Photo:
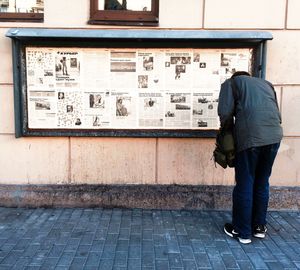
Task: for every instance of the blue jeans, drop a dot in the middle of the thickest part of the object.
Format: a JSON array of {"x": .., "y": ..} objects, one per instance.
[{"x": 250, "y": 196}]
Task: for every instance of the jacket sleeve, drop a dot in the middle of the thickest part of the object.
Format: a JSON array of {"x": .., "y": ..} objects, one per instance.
[
  {"x": 226, "y": 105},
  {"x": 276, "y": 100}
]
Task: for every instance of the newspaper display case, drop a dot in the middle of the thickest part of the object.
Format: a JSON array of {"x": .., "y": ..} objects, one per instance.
[{"x": 146, "y": 83}]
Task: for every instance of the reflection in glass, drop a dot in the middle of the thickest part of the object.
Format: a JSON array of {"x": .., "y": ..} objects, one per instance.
[
  {"x": 133, "y": 5},
  {"x": 22, "y": 6}
]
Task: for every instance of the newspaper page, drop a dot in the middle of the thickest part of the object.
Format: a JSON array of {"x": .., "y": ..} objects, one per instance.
[
  {"x": 232, "y": 61},
  {"x": 40, "y": 69},
  {"x": 178, "y": 110},
  {"x": 122, "y": 69},
  {"x": 205, "y": 114},
  {"x": 42, "y": 109},
  {"x": 150, "y": 71},
  {"x": 178, "y": 69},
  {"x": 151, "y": 110},
  {"x": 123, "y": 109},
  {"x": 206, "y": 69},
  {"x": 69, "y": 108},
  {"x": 67, "y": 68},
  {"x": 96, "y": 107},
  {"x": 95, "y": 72}
]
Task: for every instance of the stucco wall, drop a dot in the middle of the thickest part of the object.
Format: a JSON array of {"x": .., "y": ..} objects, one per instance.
[{"x": 156, "y": 161}]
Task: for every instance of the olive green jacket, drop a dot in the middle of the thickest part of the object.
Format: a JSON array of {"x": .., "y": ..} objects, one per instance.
[{"x": 252, "y": 109}]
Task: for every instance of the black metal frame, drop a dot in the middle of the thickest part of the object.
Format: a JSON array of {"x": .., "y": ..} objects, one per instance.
[{"x": 20, "y": 42}]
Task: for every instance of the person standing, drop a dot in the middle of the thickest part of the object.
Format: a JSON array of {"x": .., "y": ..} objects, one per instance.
[
  {"x": 248, "y": 106},
  {"x": 64, "y": 66}
]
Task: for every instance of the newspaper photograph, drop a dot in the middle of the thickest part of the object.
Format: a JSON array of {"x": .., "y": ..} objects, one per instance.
[
  {"x": 40, "y": 69},
  {"x": 42, "y": 109},
  {"x": 178, "y": 110},
  {"x": 96, "y": 109},
  {"x": 151, "y": 110},
  {"x": 67, "y": 68},
  {"x": 122, "y": 69}
]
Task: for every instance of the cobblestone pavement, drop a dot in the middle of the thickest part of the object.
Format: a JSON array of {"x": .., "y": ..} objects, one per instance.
[{"x": 140, "y": 239}]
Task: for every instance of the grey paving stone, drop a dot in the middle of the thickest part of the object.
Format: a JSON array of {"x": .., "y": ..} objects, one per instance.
[
  {"x": 90, "y": 267},
  {"x": 83, "y": 250},
  {"x": 198, "y": 246},
  {"x": 161, "y": 252},
  {"x": 247, "y": 265},
  {"x": 297, "y": 265},
  {"x": 135, "y": 239},
  {"x": 285, "y": 261},
  {"x": 239, "y": 254},
  {"x": 135, "y": 251},
  {"x": 273, "y": 248},
  {"x": 122, "y": 245},
  {"x": 183, "y": 240},
  {"x": 135, "y": 264},
  {"x": 22, "y": 244},
  {"x": 265, "y": 254},
  {"x": 275, "y": 265},
  {"x": 32, "y": 267},
  {"x": 21, "y": 263},
  {"x": 38, "y": 258},
  {"x": 124, "y": 233},
  {"x": 56, "y": 251},
  {"x": 213, "y": 254},
  {"x": 186, "y": 253},
  {"x": 147, "y": 246},
  {"x": 120, "y": 268},
  {"x": 109, "y": 251},
  {"x": 189, "y": 265},
  {"x": 175, "y": 260},
  {"x": 257, "y": 261},
  {"x": 121, "y": 258},
  {"x": 229, "y": 261},
  {"x": 87, "y": 239},
  {"x": 66, "y": 258},
  {"x": 5, "y": 267},
  {"x": 148, "y": 259},
  {"x": 161, "y": 265},
  {"x": 173, "y": 246},
  {"x": 77, "y": 264},
  {"x": 49, "y": 263},
  {"x": 11, "y": 258},
  {"x": 202, "y": 260},
  {"x": 217, "y": 264},
  {"x": 97, "y": 245},
  {"x": 159, "y": 240},
  {"x": 106, "y": 264},
  {"x": 222, "y": 247},
  {"x": 147, "y": 234},
  {"x": 111, "y": 239}
]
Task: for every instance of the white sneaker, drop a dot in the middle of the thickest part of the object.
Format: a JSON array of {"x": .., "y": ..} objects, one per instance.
[{"x": 229, "y": 230}]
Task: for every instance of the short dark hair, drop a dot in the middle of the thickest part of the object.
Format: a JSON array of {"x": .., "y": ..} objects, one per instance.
[{"x": 240, "y": 73}]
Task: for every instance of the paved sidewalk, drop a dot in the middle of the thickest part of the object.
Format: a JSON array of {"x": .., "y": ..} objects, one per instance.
[{"x": 140, "y": 239}]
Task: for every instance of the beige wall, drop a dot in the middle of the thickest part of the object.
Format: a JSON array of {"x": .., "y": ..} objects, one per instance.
[{"x": 156, "y": 161}]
